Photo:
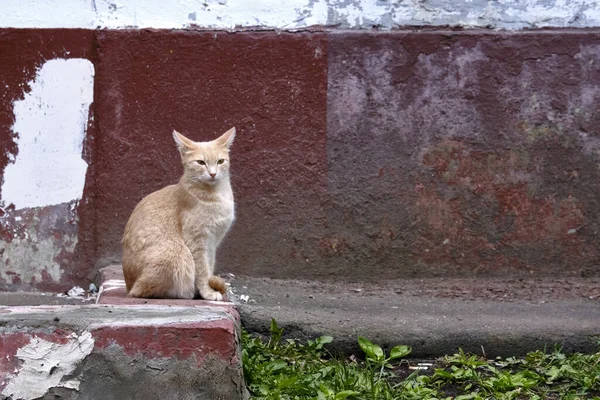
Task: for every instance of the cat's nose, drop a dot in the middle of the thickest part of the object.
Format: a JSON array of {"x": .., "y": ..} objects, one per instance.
[{"x": 212, "y": 175}]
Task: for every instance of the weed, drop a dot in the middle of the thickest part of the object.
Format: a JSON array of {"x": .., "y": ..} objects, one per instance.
[{"x": 278, "y": 369}]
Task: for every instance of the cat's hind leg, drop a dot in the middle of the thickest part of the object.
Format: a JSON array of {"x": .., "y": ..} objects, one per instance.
[
  {"x": 207, "y": 292},
  {"x": 170, "y": 276},
  {"x": 184, "y": 274},
  {"x": 180, "y": 287},
  {"x": 203, "y": 282}
]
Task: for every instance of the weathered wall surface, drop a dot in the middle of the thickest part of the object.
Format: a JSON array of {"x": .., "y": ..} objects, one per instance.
[
  {"x": 46, "y": 81},
  {"x": 440, "y": 153},
  {"x": 456, "y": 154},
  {"x": 360, "y": 154},
  {"x": 299, "y": 14},
  {"x": 113, "y": 352}
]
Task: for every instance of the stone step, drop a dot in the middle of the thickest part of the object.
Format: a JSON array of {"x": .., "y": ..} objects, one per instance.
[{"x": 121, "y": 348}]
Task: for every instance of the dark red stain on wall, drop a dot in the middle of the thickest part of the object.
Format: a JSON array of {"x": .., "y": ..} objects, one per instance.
[
  {"x": 270, "y": 86},
  {"x": 22, "y": 52},
  {"x": 496, "y": 198},
  {"x": 465, "y": 153}
]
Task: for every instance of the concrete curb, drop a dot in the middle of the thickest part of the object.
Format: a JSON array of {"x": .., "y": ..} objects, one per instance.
[
  {"x": 121, "y": 348},
  {"x": 433, "y": 326}
]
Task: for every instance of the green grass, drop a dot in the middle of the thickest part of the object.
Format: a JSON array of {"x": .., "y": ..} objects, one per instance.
[{"x": 286, "y": 369}]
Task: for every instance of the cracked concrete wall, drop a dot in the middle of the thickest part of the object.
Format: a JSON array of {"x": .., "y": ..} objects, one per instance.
[{"x": 300, "y": 14}]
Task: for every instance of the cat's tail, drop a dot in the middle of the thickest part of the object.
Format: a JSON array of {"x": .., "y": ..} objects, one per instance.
[{"x": 218, "y": 284}]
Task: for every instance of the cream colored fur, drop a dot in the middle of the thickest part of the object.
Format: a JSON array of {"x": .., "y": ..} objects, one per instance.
[{"x": 172, "y": 236}]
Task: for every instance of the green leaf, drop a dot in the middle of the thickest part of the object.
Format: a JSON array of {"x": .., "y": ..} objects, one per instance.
[
  {"x": 568, "y": 368},
  {"x": 399, "y": 352},
  {"x": 321, "y": 396},
  {"x": 285, "y": 383},
  {"x": 491, "y": 368},
  {"x": 344, "y": 394},
  {"x": 275, "y": 329},
  {"x": 325, "y": 391},
  {"x": 325, "y": 339},
  {"x": 276, "y": 332},
  {"x": 372, "y": 351},
  {"x": 553, "y": 373},
  {"x": 467, "y": 396},
  {"x": 441, "y": 374},
  {"x": 264, "y": 389},
  {"x": 319, "y": 342},
  {"x": 276, "y": 365}
]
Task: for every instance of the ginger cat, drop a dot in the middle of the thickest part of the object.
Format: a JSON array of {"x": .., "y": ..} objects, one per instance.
[{"x": 172, "y": 236}]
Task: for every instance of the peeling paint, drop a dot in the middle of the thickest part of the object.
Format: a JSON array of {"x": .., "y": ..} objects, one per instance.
[
  {"x": 297, "y": 14},
  {"x": 35, "y": 244},
  {"x": 506, "y": 206},
  {"x": 43, "y": 184},
  {"x": 50, "y": 124},
  {"x": 121, "y": 352},
  {"x": 44, "y": 364}
]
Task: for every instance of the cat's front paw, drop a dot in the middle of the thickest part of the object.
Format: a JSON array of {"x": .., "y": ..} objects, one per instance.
[{"x": 211, "y": 295}]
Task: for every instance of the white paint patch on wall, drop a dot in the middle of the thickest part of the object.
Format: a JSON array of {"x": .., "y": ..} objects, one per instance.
[
  {"x": 50, "y": 124},
  {"x": 44, "y": 364},
  {"x": 297, "y": 14}
]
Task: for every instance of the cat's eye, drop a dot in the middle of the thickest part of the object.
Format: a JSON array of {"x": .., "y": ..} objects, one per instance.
[
  {"x": 201, "y": 162},
  {"x": 221, "y": 161}
]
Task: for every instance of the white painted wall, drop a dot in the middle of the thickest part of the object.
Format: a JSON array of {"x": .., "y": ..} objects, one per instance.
[
  {"x": 50, "y": 124},
  {"x": 297, "y": 14}
]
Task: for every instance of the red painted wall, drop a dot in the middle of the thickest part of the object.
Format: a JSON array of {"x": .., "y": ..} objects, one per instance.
[
  {"x": 358, "y": 155},
  {"x": 271, "y": 87}
]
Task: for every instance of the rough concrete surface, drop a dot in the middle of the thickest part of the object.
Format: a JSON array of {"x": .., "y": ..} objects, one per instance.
[
  {"x": 41, "y": 299},
  {"x": 299, "y": 14},
  {"x": 116, "y": 352},
  {"x": 460, "y": 154},
  {"x": 435, "y": 317}
]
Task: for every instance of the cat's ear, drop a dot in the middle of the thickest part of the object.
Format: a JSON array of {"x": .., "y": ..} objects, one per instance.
[
  {"x": 183, "y": 144},
  {"x": 226, "y": 139}
]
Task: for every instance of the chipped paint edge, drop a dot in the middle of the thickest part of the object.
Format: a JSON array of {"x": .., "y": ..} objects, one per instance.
[
  {"x": 298, "y": 14},
  {"x": 44, "y": 364}
]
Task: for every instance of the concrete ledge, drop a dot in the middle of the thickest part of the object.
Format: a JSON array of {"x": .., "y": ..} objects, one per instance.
[
  {"x": 122, "y": 348},
  {"x": 434, "y": 316},
  {"x": 112, "y": 291},
  {"x": 106, "y": 352}
]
